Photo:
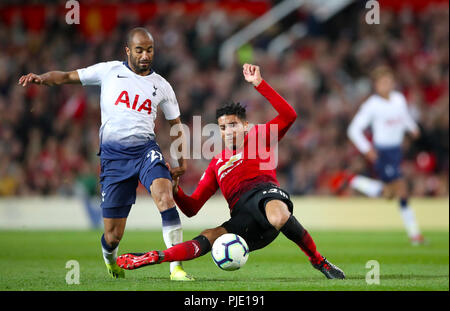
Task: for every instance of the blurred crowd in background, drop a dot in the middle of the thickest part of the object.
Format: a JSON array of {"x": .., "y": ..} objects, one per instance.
[{"x": 49, "y": 136}]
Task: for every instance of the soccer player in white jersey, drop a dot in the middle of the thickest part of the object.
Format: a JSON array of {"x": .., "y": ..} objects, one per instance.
[
  {"x": 386, "y": 113},
  {"x": 130, "y": 95}
]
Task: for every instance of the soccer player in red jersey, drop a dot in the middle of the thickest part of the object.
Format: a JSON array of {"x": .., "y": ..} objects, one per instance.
[{"x": 245, "y": 173}]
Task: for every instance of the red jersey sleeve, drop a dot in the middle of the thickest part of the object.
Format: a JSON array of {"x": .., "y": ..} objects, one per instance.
[
  {"x": 207, "y": 186},
  {"x": 286, "y": 114}
]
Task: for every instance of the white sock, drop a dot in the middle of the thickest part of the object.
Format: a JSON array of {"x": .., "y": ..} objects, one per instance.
[
  {"x": 172, "y": 235},
  {"x": 409, "y": 221},
  {"x": 367, "y": 186},
  {"x": 109, "y": 255},
  {"x": 172, "y": 231}
]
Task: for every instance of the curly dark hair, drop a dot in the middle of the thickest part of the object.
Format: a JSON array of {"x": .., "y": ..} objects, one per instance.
[{"x": 232, "y": 109}]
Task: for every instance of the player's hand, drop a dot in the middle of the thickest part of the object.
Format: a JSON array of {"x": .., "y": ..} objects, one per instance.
[
  {"x": 372, "y": 155},
  {"x": 415, "y": 134},
  {"x": 252, "y": 74},
  {"x": 178, "y": 171},
  {"x": 175, "y": 183},
  {"x": 175, "y": 177},
  {"x": 30, "y": 78}
]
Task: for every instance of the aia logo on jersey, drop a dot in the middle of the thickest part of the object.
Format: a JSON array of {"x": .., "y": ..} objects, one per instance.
[{"x": 125, "y": 99}]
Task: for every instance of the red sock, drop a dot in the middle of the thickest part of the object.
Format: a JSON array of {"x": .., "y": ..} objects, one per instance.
[
  {"x": 295, "y": 232},
  {"x": 184, "y": 251},
  {"x": 309, "y": 248},
  {"x": 350, "y": 177}
]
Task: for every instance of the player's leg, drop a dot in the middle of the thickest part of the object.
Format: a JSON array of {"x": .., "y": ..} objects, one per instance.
[
  {"x": 400, "y": 189},
  {"x": 279, "y": 216},
  {"x": 156, "y": 178},
  {"x": 113, "y": 233},
  {"x": 118, "y": 188},
  {"x": 184, "y": 251},
  {"x": 194, "y": 248},
  {"x": 368, "y": 186},
  {"x": 114, "y": 229},
  {"x": 161, "y": 191},
  {"x": 389, "y": 169}
]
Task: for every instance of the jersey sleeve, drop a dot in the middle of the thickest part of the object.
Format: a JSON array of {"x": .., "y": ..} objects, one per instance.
[
  {"x": 170, "y": 106},
  {"x": 207, "y": 186},
  {"x": 286, "y": 114},
  {"x": 360, "y": 122},
  {"x": 410, "y": 124},
  {"x": 94, "y": 74}
]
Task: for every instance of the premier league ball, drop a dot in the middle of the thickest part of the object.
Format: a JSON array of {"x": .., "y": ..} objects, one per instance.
[{"x": 230, "y": 252}]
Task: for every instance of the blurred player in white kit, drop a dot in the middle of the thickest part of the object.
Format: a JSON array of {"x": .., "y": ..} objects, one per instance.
[{"x": 386, "y": 113}]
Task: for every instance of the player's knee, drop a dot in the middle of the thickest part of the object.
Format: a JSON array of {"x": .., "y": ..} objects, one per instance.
[
  {"x": 277, "y": 214},
  {"x": 161, "y": 191},
  {"x": 278, "y": 220},
  {"x": 164, "y": 200}
]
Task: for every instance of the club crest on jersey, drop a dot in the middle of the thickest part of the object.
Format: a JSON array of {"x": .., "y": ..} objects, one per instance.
[
  {"x": 231, "y": 163},
  {"x": 125, "y": 99}
]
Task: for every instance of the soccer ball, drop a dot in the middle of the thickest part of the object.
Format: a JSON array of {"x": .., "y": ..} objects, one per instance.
[{"x": 230, "y": 252}]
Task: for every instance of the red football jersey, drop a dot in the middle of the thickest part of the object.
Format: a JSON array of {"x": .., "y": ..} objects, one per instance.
[{"x": 237, "y": 171}]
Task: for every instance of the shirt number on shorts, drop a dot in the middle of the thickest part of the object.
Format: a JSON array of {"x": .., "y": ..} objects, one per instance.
[
  {"x": 153, "y": 155},
  {"x": 274, "y": 190}
]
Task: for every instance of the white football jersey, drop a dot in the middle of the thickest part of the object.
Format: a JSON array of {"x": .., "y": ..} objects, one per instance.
[
  {"x": 388, "y": 119},
  {"x": 129, "y": 103}
]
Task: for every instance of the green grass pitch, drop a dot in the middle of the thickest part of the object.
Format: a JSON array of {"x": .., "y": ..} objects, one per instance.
[{"x": 36, "y": 260}]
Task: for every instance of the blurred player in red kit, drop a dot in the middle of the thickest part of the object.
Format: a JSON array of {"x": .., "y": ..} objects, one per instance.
[{"x": 245, "y": 173}]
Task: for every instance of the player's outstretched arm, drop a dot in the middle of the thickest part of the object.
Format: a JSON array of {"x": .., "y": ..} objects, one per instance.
[
  {"x": 50, "y": 78},
  {"x": 190, "y": 205},
  {"x": 286, "y": 114}
]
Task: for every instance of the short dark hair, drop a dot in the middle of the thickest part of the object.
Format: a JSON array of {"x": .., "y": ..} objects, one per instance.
[{"x": 232, "y": 109}]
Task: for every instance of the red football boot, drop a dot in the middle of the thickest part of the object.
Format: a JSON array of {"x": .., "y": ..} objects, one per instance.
[{"x": 133, "y": 261}]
